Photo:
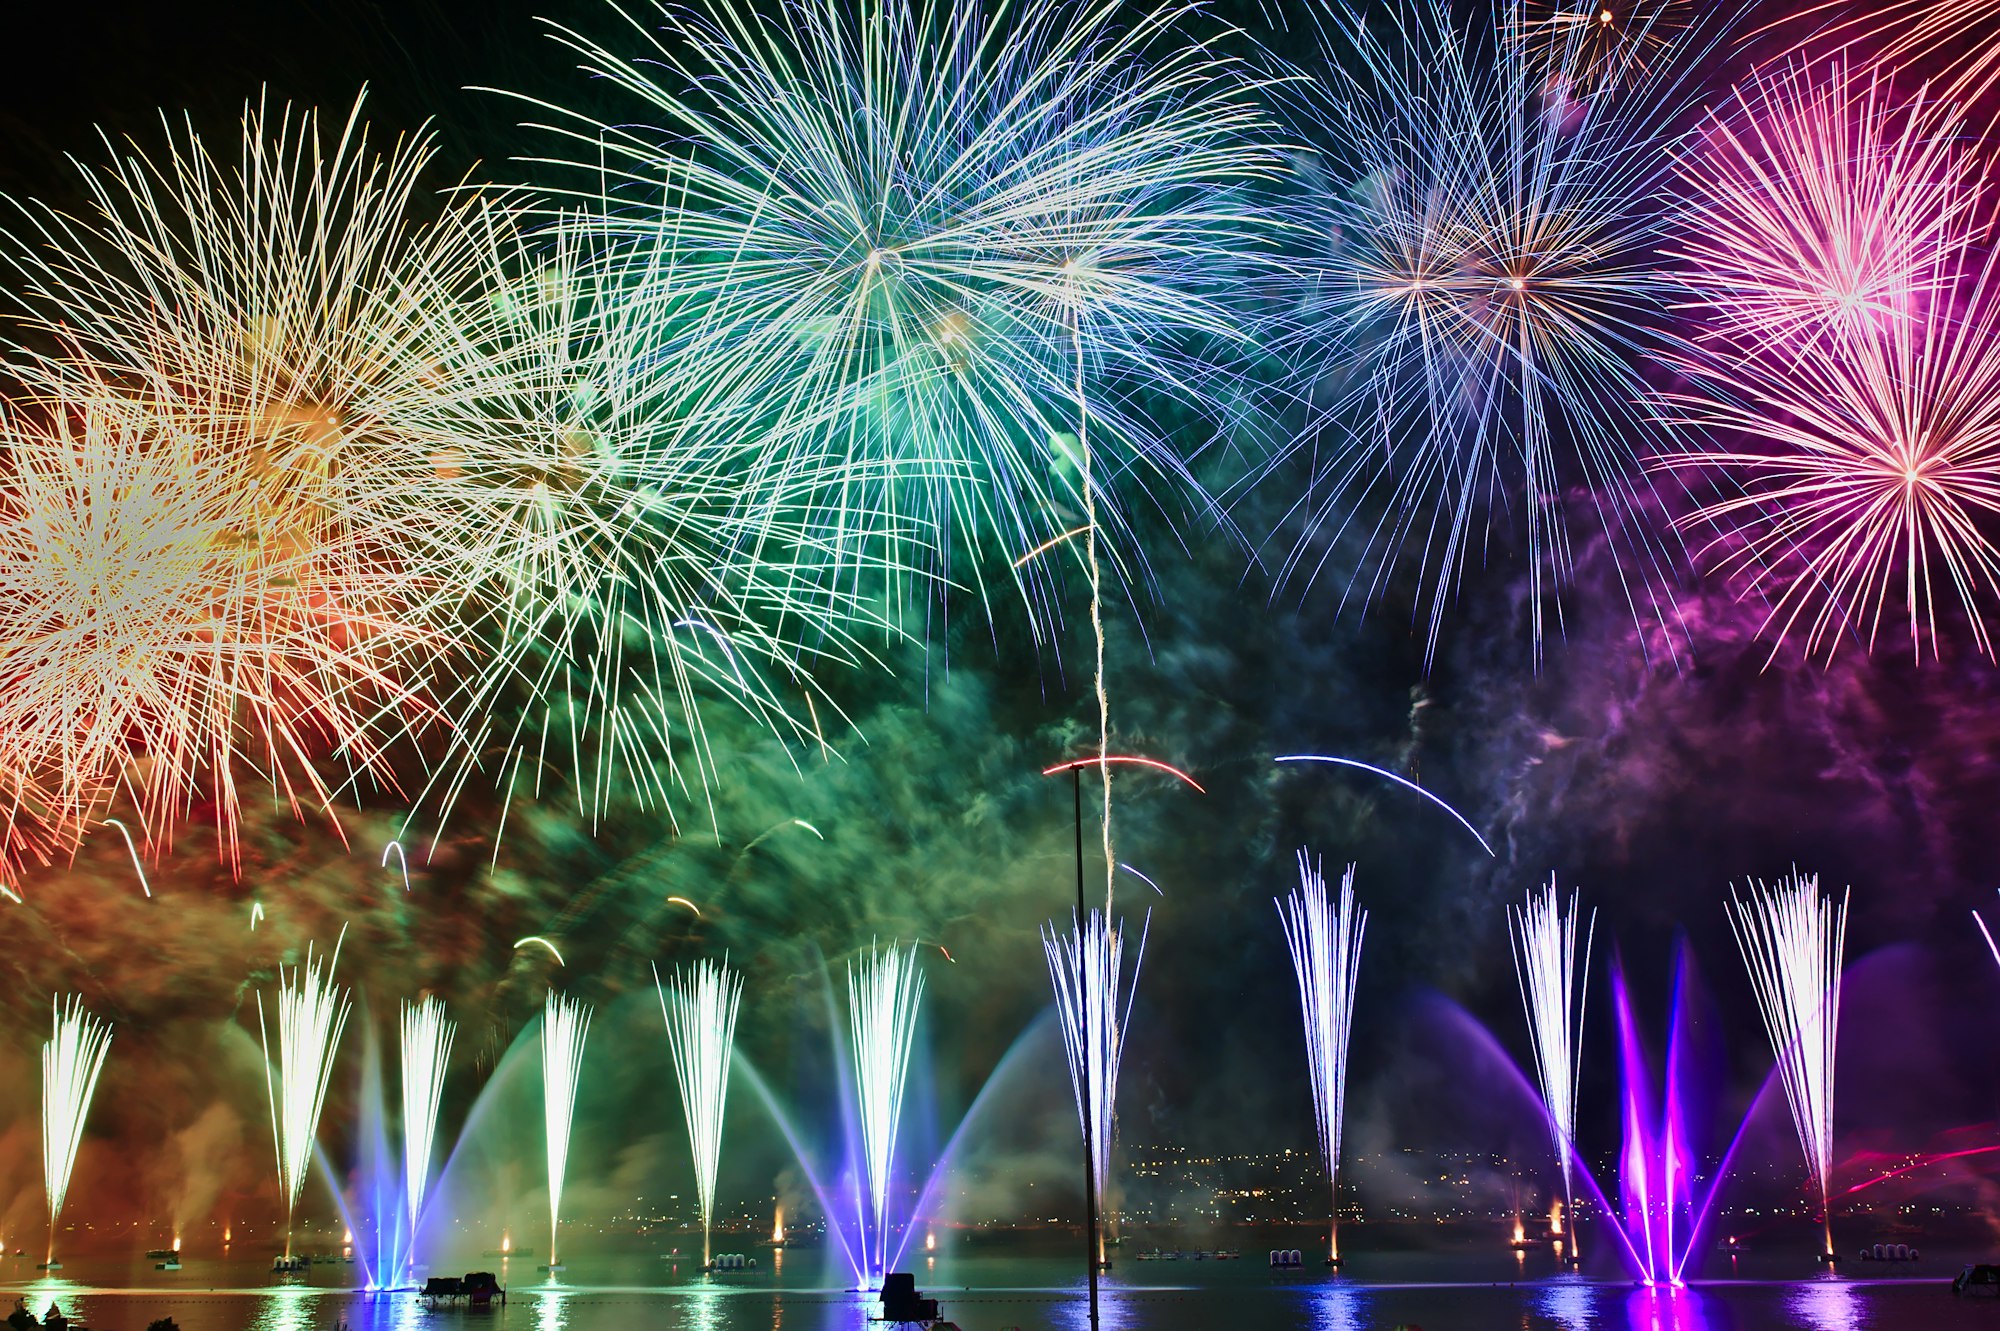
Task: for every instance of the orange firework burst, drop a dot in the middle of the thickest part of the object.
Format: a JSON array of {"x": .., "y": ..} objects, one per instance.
[{"x": 149, "y": 648}]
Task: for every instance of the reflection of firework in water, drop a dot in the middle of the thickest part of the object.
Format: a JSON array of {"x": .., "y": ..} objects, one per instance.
[
  {"x": 565, "y": 1027},
  {"x": 71, "y": 1061},
  {"x": 923, "y": 235},
  {"x": 311, "y": 1015},
  {"x": 427, "y": 1037},
  {"x": 1094, "y": 1001},
  {"x": 1791, "y": 938},
  {"x": 699, "y": 1005},
  {"x": 1553, "y": 993},
  {"x": 1823, "y": 205},
  {"x": 1325, "y": 937},
  {"x": 884, "y": 989},
  {"x": 1486, "y": 288}
]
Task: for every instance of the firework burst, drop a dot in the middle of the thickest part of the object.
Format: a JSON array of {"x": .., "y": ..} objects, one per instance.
[
  {"x": 932, "y": 239},
  {"x": 1325, "y": 937},
  {"x": 312, "y": 1013},
  {"x": 1482, "y": 290},
  {"x": 1820, "y": 204},
  {"x": 699, "y": 1006},
  {"x": 1544, "y": 936},
  {"x": 1791, "y": 938},
  {"x": 1094, "y": 1002},
  {"x": 1864, "y": 446},
  {"x": 71, "y": 1061}
]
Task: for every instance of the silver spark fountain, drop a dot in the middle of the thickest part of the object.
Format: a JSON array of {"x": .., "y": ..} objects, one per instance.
[
  {"x": 1791, "y": 937},
  {"x": 699, "y": 1006},
  {"x": 1553, "y": 985},
  {"x": 565, "y": 1027},
  {"x": 1325, "y": 940},
  {"x": 427, "y": 1038},
  {"x": 72, "y": 1058},
  {"x": 1094, "y": 1002},
  {"x": 884, "y": 989},
  {"x": 312, "y": 1013}
]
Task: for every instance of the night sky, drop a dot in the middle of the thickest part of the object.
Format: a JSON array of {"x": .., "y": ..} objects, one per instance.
[{"x": 1650, "y": 766}]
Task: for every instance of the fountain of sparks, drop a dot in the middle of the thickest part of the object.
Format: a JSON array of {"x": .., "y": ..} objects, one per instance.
[
  {"x": 311, "y": 1016},
  {"x": 1791, "y": 938},
  {"x": 427, "y": 1040},
  {"x": 699, "y": 1007},
  {"x": 1325, "y": 939},
  {"x": 71, "y": 1061},
  {"x": 884, "y": 990},
  {"x": 565, "y": 1027},
  {"x": 1552, "y": 992},
  {"x": 1087, "y": 970}
]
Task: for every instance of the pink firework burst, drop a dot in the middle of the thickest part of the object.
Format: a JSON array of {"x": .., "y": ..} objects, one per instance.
[{"x": 1848, "y": 385}]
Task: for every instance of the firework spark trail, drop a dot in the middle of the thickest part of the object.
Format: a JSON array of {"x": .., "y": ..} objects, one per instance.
[
  {"x": 1094, "y": 1002},
  {"x": 1791, "y": 938},
  {"x": 565, "y": 1027},
  {"x": 1471, "y": 334},
  {"x": 1325, "y": 941},
  {"x": 883, "y": 992},
  {"x": 967, "y": 209},
  {"x": 1594, "y": 45},
  {"x": 427, "y": 1040},
  {"x": 699, "y": 1007},
  {"x": 1553, "y": 982},
  {"x": 72, "y": 1058},
  {"x": 1822, "y": 204},
  {"x": 312, "y": 1013}
]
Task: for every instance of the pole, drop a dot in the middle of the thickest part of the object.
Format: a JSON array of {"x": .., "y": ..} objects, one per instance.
[{"x": 1084, "y": 1100}]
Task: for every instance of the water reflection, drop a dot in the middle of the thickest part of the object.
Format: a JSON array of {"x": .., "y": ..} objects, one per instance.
[
  {"x": 288, "y": 1308},
  {"x": 1336, "y": 1307},
  {"x": 1827, "y": 1304},
  {"x": 1662, "y": 1308},
  {"x": 1116, "y": 1311},
  {"x": 704, "y": 1308},
  {"x": 1568, "y": 1302},
  {"x": 550, "y": 1313}
]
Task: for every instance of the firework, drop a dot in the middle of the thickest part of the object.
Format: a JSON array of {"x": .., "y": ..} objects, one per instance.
[
  {"x": 1588, "y": 45},
  {"x": 1325, "y": 940},
  {"x": 884, "y": 990},
  {"x": 1791, "y": 938},
  {"x": 1866, "y": 461},
  {"x": 71, "y": 1061},
  {"x": 1482, "y": 291},
  {"x": 311, "y": 1015},
  {"x": 145, "y": 645},
  {"x": 565, "y": 1027},
  {"x": 701, "y": 1024},
  {"x": 934, "y": 239},
  {"x": 1822, "y": 206},
  {"x": 1552, "y": 993},
  {"x": 427, "y": 1037},
  {"x": 1094, "y": 1001}
]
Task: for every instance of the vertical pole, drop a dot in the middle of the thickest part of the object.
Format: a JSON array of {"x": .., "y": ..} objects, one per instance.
[{"x": 1085, "y": 1100}]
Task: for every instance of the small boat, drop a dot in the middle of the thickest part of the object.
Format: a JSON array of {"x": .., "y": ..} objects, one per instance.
[
  {"x": 161, "y": 1254},
  {"x": 171, "y": 1264}
]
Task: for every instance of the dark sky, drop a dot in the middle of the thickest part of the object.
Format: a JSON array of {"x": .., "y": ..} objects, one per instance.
[{"x": 1653, "y": 780}]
